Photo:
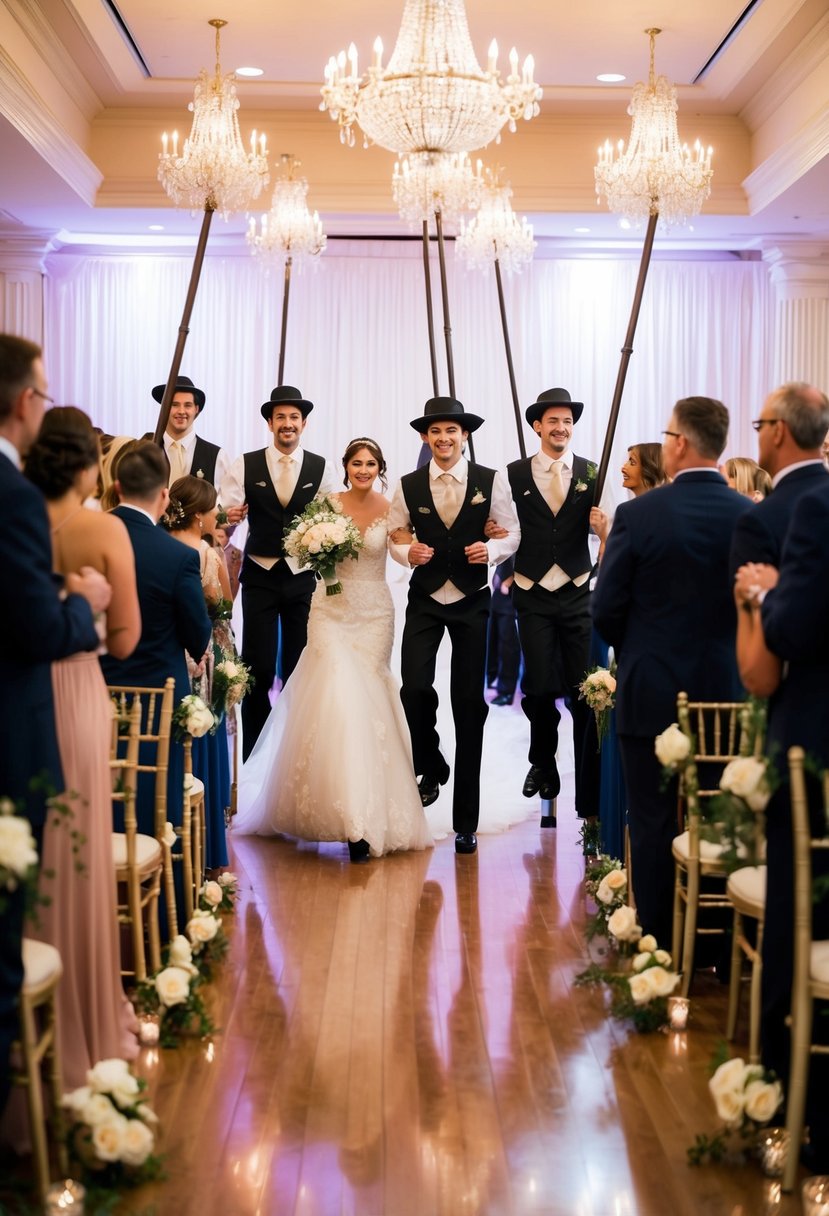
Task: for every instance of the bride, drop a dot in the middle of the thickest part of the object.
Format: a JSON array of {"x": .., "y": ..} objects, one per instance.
[{"x": 333, "y": 761}]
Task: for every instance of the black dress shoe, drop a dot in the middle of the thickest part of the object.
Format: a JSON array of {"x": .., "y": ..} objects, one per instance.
[
  {"x": 429, "y": 785},
  {"x": 503, "y": 698},
  {"x": 466, "y": 842},
  {"x": 358, "y": 850},
  {"x": 539, "y": 781}
]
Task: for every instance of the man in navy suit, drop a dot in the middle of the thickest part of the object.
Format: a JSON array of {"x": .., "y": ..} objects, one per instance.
[
  {"x": 790, "y": 431},
  {"x": 173, "y": 613},
  {"x": 663, "y": 601},
  {"x": 40, "y": 628}
]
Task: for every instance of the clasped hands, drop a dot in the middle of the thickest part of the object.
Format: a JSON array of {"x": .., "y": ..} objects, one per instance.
[
  {"x": 751, "y": 580},
  {"x": 476, "y": 554}
]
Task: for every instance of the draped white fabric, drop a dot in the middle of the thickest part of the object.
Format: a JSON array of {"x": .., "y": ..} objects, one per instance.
[{"x": 357, "y": 344}]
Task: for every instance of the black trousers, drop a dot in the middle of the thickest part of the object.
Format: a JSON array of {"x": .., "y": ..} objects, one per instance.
[
  {"x": 652, "y": 820},
  {"x": 554, "y": 629},
  {"x": 503, "y": 657},
  {"x": 466, "y": 623},
  {"x": 273, "y": 601}
]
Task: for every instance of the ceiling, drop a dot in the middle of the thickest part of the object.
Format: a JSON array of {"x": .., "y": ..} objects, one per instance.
[{"x": 86, "y": 87}]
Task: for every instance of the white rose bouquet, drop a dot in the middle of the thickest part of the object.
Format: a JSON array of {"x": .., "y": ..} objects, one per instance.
[
  {"x": 607, "y": 885},
  {"x": 218, "y": 895},
  {"x": 207, "y": 938},
  {"x": 672, "y": 747},
  {"x": 640, "y": 997},
  {"x": 173, "y": 993},
  {"x": 746, "y": 1097},
  {"x": 598, "y": 689},
  {"x": 733, "y": 818},
  {"x": 18, "y": 854},
  {"x": 111, "y": 1130},
  {"x": 321, "y": 537},
  {"x": 193, "y": 717},
  {"x": 232, "y": 681}
]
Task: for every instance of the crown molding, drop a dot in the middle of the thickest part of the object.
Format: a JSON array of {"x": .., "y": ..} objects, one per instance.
[
  {"x": 811, "y": 56},
  {"x": 788, "y": 164},
  {"x": 41, "y": 34}
]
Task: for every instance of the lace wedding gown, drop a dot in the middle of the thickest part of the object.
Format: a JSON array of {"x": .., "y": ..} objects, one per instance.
[{"x": 333, "y": 761}]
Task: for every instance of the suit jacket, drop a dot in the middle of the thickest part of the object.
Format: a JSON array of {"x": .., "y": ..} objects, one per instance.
[
  {"x": 664, "y": 601},
  {"x": 39, "y": 629},
  {"x": 796, "y": 625},
  {"x": 760, "y": 532},
  {"x": 173, "y": 613}
]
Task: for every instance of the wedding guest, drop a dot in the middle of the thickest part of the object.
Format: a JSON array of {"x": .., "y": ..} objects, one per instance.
[
  {"x": 662, "y": 600},
  {"x": 446, "y": 504},
  {"x": 503, "y": 656},
  {"x": 41, "y": 627},
  {"x": 186, "y": 451},
  {"x": 270, "y": 486},
  {"x": 232, "y": 556},
  {"x": 95, "y": 1020},
  {"x": 746, "y": 477}
]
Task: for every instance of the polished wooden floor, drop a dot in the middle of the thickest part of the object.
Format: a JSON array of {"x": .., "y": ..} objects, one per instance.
[{"x": 403, "y": 1039}]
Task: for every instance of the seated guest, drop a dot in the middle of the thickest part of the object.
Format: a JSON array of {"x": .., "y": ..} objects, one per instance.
[{"x": 96, "y": 1021}]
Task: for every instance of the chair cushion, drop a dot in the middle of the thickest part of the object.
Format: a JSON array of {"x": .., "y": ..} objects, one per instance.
[
  {"x": 41, "y": 963},
  {"x": 707, "y": 852},
  {"x": 747, "y": 888},
  {"x": 197, "y": 791},
  {"x": 147, "y": 851},
  {"x": 819, "y": 966}
]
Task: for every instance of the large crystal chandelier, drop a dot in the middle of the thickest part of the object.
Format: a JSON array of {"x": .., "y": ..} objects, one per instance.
[
  {"x": 656, "y": 174},
  {"x": 433, "y": 96},
  {"x": 288, "y": 230},
  {"x": 495, "y": 233},
  {"x": 427, "y": 183},
  {"x": 214, "y": 171}
]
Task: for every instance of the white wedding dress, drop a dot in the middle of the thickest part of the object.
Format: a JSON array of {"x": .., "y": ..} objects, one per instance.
[{"x": 333, "y": 761}]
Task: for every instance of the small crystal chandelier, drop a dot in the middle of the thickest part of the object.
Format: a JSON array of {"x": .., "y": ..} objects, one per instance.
[
  {"x": 433, "y": 96},
  {"x": 656, "y": 175},
  {"x": 214, "y": 172},
  {"x": 427, "y": 183},
  {"x": 495, "y": 233},
  {"x": 289, "y": 229}
]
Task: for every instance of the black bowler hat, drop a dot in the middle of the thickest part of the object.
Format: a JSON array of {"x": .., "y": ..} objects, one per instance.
[
  {"x": 445, "y": 409},
  {"x": 552, "y": 397},
  {"x": 183, "y": 385},
  {"x": 285, "y": 394}
]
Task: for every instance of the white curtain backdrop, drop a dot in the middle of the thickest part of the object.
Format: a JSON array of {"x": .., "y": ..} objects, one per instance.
[{"x": 357, "y": 344}]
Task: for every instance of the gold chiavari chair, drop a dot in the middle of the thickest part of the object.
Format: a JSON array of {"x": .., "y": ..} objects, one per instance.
[
  {"x": 811, "y": 959},
  {"x": 193, "y": 830},
  {"x": 138, "y": 859}
]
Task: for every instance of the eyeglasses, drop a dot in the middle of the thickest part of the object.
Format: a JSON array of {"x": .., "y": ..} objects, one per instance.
[
  {"x": 674, "y": 434},
  {"x": 45, "y": 396},
  {"x": 759, "y": 423}
]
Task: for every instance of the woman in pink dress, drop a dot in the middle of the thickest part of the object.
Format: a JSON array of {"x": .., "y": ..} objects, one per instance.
[{"x": 77, "y": 876}]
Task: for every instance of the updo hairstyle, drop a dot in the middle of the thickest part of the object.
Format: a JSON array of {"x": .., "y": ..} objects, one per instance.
[
  {"x": 189, "y": 497},
  {"x": 66, "y": 445},
  {"x": 374, "y": 447}
]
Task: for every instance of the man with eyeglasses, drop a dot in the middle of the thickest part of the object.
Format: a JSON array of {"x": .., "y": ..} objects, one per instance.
[{"x": 663, "y": 600}]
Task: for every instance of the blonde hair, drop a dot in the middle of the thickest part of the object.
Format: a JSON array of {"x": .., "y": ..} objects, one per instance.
[{"x": 743, "y": 472}]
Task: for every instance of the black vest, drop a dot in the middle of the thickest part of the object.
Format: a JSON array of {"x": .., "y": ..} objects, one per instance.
[
  {"x": 546, "y": 539},
  {"x": 449, "y": 560},
  {"x": 267, "y": 518},
  {"x": 204, "y": 460}
]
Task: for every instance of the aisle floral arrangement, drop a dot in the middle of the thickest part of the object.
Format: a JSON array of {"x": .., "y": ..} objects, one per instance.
[
  {"x": 746, "y": 1097},
  {"x": 193, "y": 717},
  {"x": 598, "y": 689},
  {"x": 321, "y": 537},
  {"x": 606, "y": 883},
  {"x": 732, "y": 819},
  {"x": 18, "y": 854},
  {"x": 112, "y": 1131},
  {"x": 232, "y": 681}
]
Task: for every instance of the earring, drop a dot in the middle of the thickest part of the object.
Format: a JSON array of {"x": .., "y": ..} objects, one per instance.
[{"x": 201, "y": 523}]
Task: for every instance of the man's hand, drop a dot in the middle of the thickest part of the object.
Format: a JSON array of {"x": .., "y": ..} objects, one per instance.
[
  {"x": 599, "y": 522},
  {"x": 402, "y": 536},
  {"x": 235, "y": 515},
  {"x": 494, "y": 531},
  {"x": 92, "y": 585},
  {"x": 751, "y": 579},
  {"x": 477, "y": 554},
  {"x": 420, "y": 554}
]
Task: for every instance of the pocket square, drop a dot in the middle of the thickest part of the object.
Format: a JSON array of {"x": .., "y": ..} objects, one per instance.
[
  {"x": 261, "y": 483},
  {"x": 309, "y": 485},
  {"x": 424, "y": 510}
]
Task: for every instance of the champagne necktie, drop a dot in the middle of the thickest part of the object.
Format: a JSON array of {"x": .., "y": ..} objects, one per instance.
[
  {"x": 556, "y": 493},
  {"x": 450, "y": 499},
  {"x": 177, "y": 466},
  {"x": 285, "y": 480}
]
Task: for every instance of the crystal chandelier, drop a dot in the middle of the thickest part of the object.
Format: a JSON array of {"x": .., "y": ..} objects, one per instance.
[
  {"x": 495, "y": 233},
  {"x": 289, "y": 229},
  {"x": 433, "y": 96},
  {"x": 427, "y": 183},
  {"x": 214, "y": 172},
  {"x": 656, "y": 175}
]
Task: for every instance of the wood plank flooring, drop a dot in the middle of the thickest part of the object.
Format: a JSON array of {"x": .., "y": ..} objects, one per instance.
[{"x": 403, "y": 1039}]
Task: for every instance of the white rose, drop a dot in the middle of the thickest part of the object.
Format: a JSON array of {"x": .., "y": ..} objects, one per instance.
[
  {"x": 730, "y": 1075},
  {"x": 108, "y": 1138},
  {"x": 108, "y": 1075},
  {"x": 672, "y": 746},
  {"x": 227, "y": 879},
  {"x": 662, "y": 982},
  {"x": 640, "y": 989},
  {"x": 203, "y": 927},
  {"x": 212, "y": 893},
  {"x": 647, "y": 944},
  {"x": 169, "y": 838},
  {"x": 314, "y": 546},
  {"x": 78, "y": 1098},
  {"x": 181, "y": 954},
  {"x": 730, "y": 1104},
  {"x": 605, "y": 893},
  {"x": 17, "y": 846},
  {"x": 137, "y": 1143},
  {"x": 173, "y": 986},
  {"x": 662, "y": 957},
  {"x": 228, "y": 668},
  {"x": 762, "y": 1099},
  {"x": 97, "y": 1110},
  {"x": 622, "y": 924},
  {"x": 641, "y": 961},
  {"x": 146, "y": 1113},
  {"x": 747, "y": 779}
]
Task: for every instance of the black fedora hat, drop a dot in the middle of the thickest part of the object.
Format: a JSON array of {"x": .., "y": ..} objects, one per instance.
[
  {"x": 549, "y": 398},
  {"x": 183, "y": 385},
  {"x": 285, "y": 394},
  {"x": 445, "y": 409}
]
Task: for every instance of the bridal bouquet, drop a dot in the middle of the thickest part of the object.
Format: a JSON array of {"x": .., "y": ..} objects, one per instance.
[
  {"x": 112, "y": 1131},
  {"x": 746, "y": 1097},
  {"x": 598, "y": 689},
  {"x": 321, "y": 537},
  {"x": 231, "y": 682}
]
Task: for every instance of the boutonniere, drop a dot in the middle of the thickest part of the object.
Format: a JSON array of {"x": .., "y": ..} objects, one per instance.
[
  {"x": 261, "y": 483},
  {"x": 477, "y": 498},
  {"x": 425, "y": 510},
  {"x": 581, "y": 486},
  {"x": 200, "y": 472}
]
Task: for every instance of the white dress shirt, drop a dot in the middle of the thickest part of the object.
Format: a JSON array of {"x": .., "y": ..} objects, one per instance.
[
  {"x": 502, "y": 510},
  {"x": 8, "y": 449},
  {"x": 540, "y": 466},
  {"x": 223, "y": 461}
]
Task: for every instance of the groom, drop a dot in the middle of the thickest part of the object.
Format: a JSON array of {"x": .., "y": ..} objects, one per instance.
[{"x": 446, "y": 504}]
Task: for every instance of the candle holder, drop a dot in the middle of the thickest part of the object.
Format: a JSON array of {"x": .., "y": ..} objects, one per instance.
[
  {"x": 678, "y": 1009},
  {"x": 65, "y": 1196},
  {"x": 774, "y": 1149},
  {"x": 149, "y": 1029},
  {"x": 815, "y": 1195}
]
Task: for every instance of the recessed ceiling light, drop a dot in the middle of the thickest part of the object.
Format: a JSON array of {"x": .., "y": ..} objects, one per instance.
[
  {"x": 611, "y": 77},
  {"x": 581, "y": 229},
  {"x": 250, "y": 71},
  {"x": 156, "y": 227}
]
